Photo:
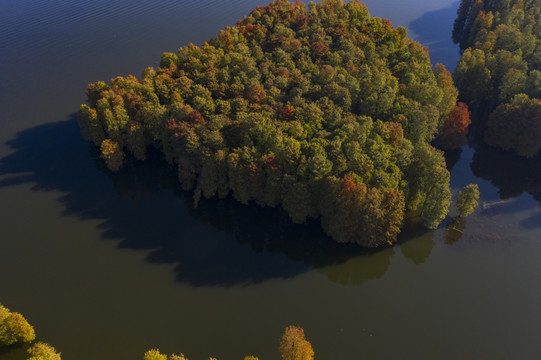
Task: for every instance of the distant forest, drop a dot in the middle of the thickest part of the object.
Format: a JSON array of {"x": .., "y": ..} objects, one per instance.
[
  {"x": 320, "y": 109},
  {"x": 499, "y": 71}
]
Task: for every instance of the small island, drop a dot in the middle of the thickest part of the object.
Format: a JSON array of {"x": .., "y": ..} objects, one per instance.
[{"x": 323, "y": 110}]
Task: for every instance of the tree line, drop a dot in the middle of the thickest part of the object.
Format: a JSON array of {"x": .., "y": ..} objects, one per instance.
[
  {"x": 499, "y": 71},
  {"x": 293, "y": 346},
  {"x": 15, "y": 329}
]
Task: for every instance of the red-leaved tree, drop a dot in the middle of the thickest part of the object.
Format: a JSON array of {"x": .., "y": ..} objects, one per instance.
[{"x": 455, "y": 128}]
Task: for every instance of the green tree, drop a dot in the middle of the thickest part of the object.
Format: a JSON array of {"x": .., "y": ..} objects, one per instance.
[
  {"x": 296, "y": 199},
  {"x": 15, "y": 329},
  {"x": 4, "y": 313},
  {"x": 154, "y": 354},
  {"x": 429, "y": 191},
  {"x": 91, "y": 128},
  {"x": 177, "y": 357},
  {"x": 472, "y": 76},
  {"x": 449, "y": 91},
  {"x": 43, "y": 351},
  {"x": 467, "y": 200},
  {"x": 512, "y": 83}
]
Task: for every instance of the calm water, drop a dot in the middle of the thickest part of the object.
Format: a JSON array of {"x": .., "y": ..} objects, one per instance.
[{"x": 107, "y": 265}]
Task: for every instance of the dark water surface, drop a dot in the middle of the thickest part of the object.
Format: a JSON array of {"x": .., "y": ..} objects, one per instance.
[{"x": 107, "y": 265}]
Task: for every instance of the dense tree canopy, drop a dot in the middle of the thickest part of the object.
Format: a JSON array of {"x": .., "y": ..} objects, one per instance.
[
  {"x": 516, "y": 126},
  {"x": 499, "y": 69},
  {"x": 323, "y": 110},
  {"x": 294, "y": 345},
  {"x": 42, "y": 351},
  {"x": 14, "y": 328}
]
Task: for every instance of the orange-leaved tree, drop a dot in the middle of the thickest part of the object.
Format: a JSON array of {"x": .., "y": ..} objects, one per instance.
[
  {"x": 455, "y": 128},
  {"x": 294, "y": 345}
]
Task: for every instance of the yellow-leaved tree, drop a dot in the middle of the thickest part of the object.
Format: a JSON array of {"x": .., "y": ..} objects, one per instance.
[
  {"x": 14, "y": 328},
  {"x": 294, "y": 345}
]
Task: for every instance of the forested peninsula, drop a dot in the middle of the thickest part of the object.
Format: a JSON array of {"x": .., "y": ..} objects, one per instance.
[
  {"x": 499, "y": 71},
  {"x": 320, "y": 109}
]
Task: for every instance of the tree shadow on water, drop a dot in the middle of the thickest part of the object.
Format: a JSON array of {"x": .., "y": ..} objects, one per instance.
[
  {"x": 219, "y": 243},
  {"x": 452, "y": 157}
]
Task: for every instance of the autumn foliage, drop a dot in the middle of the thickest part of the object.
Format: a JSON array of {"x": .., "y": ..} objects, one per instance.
[
  {"x": 112, "y": 153},
  {"x": 455, "y": 128},
  {"x": 15, "y": 329},
  {"x": 294, "y": 346},
  {"x": 322, "y": 110},
  {"x": 43, "y": 351}
]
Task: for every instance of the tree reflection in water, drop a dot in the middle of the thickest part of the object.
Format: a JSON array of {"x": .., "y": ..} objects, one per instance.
[
  {"x": 263, "y": 229},
  {"x": 204, "y": 242},
  {"x": 454, "y": 231},
  {"x": 510, "y": 173},
  {"x": 416, "y": 242}
]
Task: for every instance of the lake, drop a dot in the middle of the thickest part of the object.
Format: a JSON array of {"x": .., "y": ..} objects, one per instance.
[{"x": 106, "y": 266}]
